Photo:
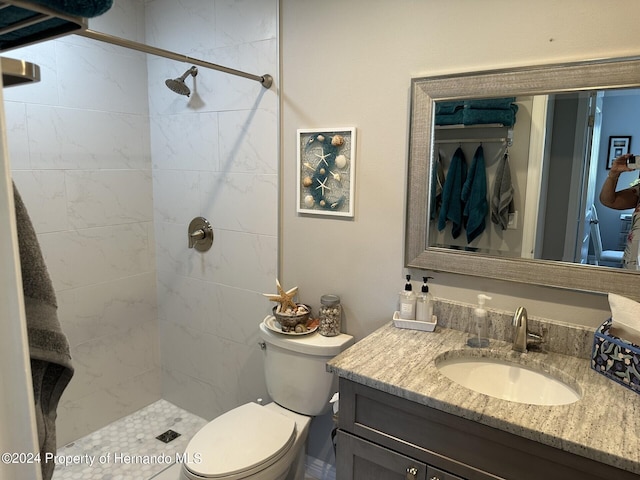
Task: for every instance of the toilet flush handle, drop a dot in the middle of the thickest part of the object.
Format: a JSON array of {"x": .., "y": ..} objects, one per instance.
[{"x": 263, "y": 345}]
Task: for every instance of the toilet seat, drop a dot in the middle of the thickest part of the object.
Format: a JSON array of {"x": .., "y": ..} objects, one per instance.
[{"x": 239, "y": 443}]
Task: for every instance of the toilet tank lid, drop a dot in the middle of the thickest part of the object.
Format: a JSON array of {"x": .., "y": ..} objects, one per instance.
[
  {"x": 312, "y": 344},
  {"x": 240, "y": 440}
]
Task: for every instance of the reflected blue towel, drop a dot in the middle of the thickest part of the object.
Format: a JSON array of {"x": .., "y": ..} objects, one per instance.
[
  {"x": 452, "y": 205},
  {"x": 476, "y": 116},
  {"x": 445, "y": 108},
  {"x": 474, "y": 196},
  {"x": 437, "y": 183},
  {"x": 455, "y": 118},
  {"x": 491, "y": 103}
]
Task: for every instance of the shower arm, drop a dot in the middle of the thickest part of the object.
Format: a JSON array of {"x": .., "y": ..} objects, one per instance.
[{"x": 266, "y": 80}]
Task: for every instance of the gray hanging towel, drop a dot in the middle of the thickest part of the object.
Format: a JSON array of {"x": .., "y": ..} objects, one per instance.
[
  {"x": 51, "y": 367},
  {"x": 502, "y": 199}
]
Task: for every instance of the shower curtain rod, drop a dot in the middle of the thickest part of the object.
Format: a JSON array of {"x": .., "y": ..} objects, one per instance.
[{"x": 266, "y": 80}]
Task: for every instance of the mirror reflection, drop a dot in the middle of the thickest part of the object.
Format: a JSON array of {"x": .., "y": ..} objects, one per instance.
[{"x": 521, "y": 177}]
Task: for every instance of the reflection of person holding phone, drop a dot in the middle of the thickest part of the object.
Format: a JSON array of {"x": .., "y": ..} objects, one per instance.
[{"x": 624, "y": 200}]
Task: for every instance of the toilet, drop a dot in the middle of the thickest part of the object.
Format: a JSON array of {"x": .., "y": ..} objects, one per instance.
[{"x": 256, "y": 442}]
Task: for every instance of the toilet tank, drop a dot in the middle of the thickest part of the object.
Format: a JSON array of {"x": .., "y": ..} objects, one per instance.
[{"x": 295, "y": 369}]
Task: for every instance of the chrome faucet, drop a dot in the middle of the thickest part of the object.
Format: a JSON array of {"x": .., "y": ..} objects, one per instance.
[{"x": 522, "y": 337}]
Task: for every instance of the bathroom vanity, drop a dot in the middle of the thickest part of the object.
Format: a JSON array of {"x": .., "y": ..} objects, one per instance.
[{"x": 400, "y": 418}]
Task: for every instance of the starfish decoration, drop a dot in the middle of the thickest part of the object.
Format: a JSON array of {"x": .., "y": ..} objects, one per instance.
[
  {"x": 322, "y": 185},
  {"x": 285, "y": 299},
  {"x": 323, "y": 157}
]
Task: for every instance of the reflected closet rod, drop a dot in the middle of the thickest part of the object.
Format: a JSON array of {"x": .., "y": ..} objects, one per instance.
[
  {"x": 507, "y": 141},
  {"x": 266, "y": 80}
]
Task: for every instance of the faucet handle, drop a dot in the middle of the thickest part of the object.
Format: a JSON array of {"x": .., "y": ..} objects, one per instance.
[
  {"x": 536, "y": 341},
  {"x": 533, "y": 338}
]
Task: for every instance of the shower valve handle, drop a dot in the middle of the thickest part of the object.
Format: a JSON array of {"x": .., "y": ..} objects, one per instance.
[
  {"x": 194, "y": 237},
  {"x": 200, "y": 234}
]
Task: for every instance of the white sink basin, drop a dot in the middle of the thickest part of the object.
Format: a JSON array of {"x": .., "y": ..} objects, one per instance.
[{"x": 507, "y": 381}]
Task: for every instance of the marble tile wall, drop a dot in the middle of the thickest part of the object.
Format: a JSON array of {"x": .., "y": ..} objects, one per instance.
[
  {"x": 80, "y": 156},
  {"x": 113, "y": 166},
  {"x": 214, "y": 155}
]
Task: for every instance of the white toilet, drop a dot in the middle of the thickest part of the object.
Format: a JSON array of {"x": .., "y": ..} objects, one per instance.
[{"x": 267, "y": 442}]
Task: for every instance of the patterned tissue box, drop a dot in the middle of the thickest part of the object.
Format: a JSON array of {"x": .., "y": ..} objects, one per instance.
[{"x": 616, "y": 359}]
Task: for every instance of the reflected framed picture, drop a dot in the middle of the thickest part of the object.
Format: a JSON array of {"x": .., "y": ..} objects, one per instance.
[
  {"x": 618, "y": 145},
  {"x": 326, "y": 171}
]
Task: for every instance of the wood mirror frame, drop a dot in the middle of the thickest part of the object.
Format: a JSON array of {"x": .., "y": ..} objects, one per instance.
[{"x": 536, "y": 80}]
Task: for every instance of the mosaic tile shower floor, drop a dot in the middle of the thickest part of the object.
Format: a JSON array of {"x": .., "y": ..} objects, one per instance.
[
  {"x": 133, "y": 440},
  {"x": 127, "y": 449}
]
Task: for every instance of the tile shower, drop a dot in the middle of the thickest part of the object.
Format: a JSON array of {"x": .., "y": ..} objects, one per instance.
[
  {"x": 113, "y": 166},
  {"x": 128, "y": 447}
]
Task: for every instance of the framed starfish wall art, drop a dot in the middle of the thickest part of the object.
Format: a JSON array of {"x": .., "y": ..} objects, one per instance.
[{"x": 326, "y": 171}]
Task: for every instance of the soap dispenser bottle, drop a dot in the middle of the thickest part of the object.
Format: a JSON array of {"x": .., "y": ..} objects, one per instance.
[
  {"x": 408, "y": 302},
  {"x": 479, "y": 335},
  {"x": 424, "y": 302}
]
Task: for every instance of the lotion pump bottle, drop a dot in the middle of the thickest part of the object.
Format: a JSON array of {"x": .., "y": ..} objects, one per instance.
[
  {"x": 479, "y": 335},
  {"x": 408, "y": 302},
  {"x": 424, "y": 303}
]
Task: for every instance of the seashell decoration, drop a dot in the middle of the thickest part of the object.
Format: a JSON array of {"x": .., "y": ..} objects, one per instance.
[
  {"x": 285, "y": 299},
  {"x": 288, "y": 313}
]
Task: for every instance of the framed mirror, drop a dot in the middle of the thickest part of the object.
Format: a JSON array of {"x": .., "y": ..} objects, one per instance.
[{"x": 517, "y": 255}]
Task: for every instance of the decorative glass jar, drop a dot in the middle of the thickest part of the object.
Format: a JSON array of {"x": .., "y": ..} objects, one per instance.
[{"x": 330, "y": 315}]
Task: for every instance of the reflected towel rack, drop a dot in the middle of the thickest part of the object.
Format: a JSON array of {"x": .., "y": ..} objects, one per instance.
[
  {"x": 473, "y": 140},
  {"x": 508, "y": 140}
]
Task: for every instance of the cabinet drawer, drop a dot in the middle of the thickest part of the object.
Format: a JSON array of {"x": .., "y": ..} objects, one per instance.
[{"x": 358, "y": 459}]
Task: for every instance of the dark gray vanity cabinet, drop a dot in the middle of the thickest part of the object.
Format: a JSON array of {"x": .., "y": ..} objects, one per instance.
[
  {"x": 359, "y": 458},
  {"x": 385, "y": 437}
]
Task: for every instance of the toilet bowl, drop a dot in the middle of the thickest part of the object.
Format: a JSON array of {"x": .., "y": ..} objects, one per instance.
[
  {"x": 251, "y": 442},
  {"x": 255, "y": 442}
]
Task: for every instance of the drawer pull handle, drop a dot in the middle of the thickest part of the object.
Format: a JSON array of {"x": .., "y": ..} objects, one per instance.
[
  {"x": 412, "y": 473},
  {"x": 434, "y": 478}
]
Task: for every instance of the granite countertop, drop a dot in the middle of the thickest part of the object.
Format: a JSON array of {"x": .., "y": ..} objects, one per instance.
[{"x": 604, "y": 425}]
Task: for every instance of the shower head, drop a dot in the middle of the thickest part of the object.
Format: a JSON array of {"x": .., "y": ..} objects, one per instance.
[{"x": 177, "y": 84}]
